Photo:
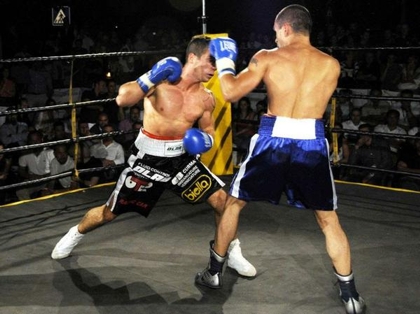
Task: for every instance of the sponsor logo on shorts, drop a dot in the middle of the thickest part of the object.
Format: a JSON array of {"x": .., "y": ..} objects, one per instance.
[
  {"x": 174, "y": 149},
  {"x": 137, "y": 184},
  {"x": 197, "y": 189}
]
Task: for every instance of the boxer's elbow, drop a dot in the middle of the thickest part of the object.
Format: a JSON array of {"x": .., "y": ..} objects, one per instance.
[
  {"x": 230, "y": 91},
  {"x": 128, "y": 94}
]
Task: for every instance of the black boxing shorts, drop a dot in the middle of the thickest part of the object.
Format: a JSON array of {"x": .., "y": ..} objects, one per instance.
[{"x": 141, "y": 184}]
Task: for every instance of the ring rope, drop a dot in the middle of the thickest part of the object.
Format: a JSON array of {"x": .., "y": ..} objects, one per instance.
[
  {"x": 53, "y": 107},
  {"x": 90, "y": 55},
  {"x": 76, "y": 139}
]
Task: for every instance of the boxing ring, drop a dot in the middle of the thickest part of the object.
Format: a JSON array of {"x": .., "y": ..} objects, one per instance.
[{"x": 136, "y": 265}]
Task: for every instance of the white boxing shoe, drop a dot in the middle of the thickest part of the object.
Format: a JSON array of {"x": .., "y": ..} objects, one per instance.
[
  {"x": 67, "y": 243},
  {"x": 239, "y": 263}
]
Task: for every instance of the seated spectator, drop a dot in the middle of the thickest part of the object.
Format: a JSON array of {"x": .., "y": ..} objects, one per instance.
[
  {"x": 64, "y": 116},
  {"x": 90, "y": 113},
  {"x": 59, "y": 132},
  {"x": 5, "y": 164},
  {"x": 34, "y": 164},
  {"x": 86, "y": 161},
  {"x": 62, "y": 162},
  {"x": 374, "y": 110},
  {"x": 243, "y": 127},
  {"x": 111, "y": 108},
  {"x": 7, "y": 88},
  {"x": 409, "y": 110},
  {"x": 370, "y": 151},
  {"x": 44, "y": 120},
  {"x": 391, "y": 73},
  {"x": 40, "y": 83},
  {"x": 343, "y": 151},
  {"x": 27, "y": 117},
  {"x": 13, "y": 133},
  {"x": 110, "y": 152},
  {"x": 353, "y": 124},
  {"x": 126, "y": 125},
  {"x": 344, "y": 105},
  {"x": 369, "y": 72},
  {"x": 391, "y": 126},
  {"x": 409, "y": 161},
  {"x": 410, "y": 78},
  {"x": 101, "y": 122},
  {"x": 84, "y": 130},
  {"x": 349, "y": 69}
]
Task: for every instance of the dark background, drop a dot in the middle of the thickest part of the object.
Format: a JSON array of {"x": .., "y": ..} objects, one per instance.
[{"x": 31, "y": 20}]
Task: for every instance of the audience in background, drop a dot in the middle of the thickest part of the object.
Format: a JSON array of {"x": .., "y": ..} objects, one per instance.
[
  {"x": 29, "y": 84},
  {"x": 391, "y": 127},
  {"x": 34, "y": 164},
  {"x": 409, "y": 161},
  {"x": 374, "y": 110},
  {"x": 353, "y": 124},
  {"x": 61, "y": 163},
  {"x": 369, "y": 151},
  {"x": 244, "y": 127},
  {"x": 110, "y": 153}
]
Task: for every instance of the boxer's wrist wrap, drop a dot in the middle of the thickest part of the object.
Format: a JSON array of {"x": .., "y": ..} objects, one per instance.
[
  {"x": 145, "y": 83},
  {"x": 225, "y": 66}
]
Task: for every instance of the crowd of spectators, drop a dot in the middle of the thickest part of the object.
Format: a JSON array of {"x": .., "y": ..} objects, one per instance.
[{"x": 28, "y": 84}]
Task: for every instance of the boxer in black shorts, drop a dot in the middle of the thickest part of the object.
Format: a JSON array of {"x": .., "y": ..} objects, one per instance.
[{"x": 165, "y": 152}]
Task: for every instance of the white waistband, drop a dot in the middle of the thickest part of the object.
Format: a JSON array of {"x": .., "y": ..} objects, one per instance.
[
  {"x": 158, "y": 147},
  {"x": 290, "y": 128}
]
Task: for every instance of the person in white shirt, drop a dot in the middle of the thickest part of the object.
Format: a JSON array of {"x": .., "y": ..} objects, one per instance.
[
  {"x": 34, "y": 165},
  {"x": 409, "y": 110},
  {"x": 61, "y": 163},
  {"x": 374, "y": 110},
  {"x": 353, "y": 124},
  {"x": 392, "y": 127},
  {"x": 110, "y": 152}
]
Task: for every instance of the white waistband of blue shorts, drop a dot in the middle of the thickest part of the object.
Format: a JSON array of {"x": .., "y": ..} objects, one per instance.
[
  {"x": 157, "y": 147},
  {"x": 304, "y": 129}
]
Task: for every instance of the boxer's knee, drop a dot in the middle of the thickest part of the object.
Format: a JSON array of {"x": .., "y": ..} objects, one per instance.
[
  {"x": 327, "y": 219},
  {"x": 217, "y": 200}
]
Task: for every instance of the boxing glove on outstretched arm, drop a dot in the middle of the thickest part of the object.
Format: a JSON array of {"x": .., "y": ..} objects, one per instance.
[
  {"x": 196, "y": 141},
  {"x": 169, "y": 69},
  {"x": 225, "y": 51}
]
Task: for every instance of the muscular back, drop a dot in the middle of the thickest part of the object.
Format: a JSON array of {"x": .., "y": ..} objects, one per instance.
[{"x": 299, "y": 79}]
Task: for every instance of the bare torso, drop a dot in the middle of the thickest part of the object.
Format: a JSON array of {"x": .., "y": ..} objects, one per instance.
[
  {"x": 300, "y": 81},
  {"x": 172, "y": 109}
]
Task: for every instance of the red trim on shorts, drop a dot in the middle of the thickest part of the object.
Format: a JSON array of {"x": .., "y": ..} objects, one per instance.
[{"x": 158, "y": 137}]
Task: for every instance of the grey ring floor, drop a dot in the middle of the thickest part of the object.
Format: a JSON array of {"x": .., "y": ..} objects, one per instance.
[{"x": 137, "y": 265}]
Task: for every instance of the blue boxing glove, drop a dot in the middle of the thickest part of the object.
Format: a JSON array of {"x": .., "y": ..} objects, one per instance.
[
  {"x": 197, "y": 142},
  {"x": 225, "y": 51},
  {"x": 169, "y": 69}
]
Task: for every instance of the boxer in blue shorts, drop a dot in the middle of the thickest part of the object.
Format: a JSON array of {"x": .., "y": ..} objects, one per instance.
[
  {"x": 293, "y": 154},
  {"x": 165, "y": 152},
  {"x": 290, "y": 153}
]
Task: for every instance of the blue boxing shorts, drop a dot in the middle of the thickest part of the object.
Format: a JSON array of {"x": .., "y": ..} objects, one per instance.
[
  {"x": 291, "y": 156},
  {"x": 157, "y": 164}
]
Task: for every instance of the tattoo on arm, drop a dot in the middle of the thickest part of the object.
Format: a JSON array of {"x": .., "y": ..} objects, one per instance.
[{"x": 254, "y": 61}]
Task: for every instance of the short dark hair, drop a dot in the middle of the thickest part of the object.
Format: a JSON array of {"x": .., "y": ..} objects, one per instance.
[
  {"x": 297, "y": 16},
  {"x": 393, "y": 111},
  {"x": 197, "y": 45},
  {"x": 366, "y": 125}
]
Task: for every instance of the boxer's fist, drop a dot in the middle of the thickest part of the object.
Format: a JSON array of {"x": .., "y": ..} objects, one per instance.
[
  {"x": 169, "y": 69},
  {"x": 225, "y": 51},
  {"x": 197, "y": 142}
]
